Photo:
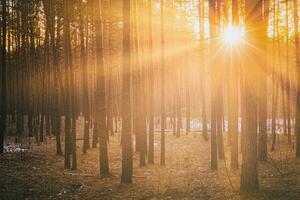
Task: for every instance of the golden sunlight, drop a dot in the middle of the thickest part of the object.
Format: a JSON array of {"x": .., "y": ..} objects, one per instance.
[
  {"x": 232, "y": 35},
  {"x": 149, "y": 99}
]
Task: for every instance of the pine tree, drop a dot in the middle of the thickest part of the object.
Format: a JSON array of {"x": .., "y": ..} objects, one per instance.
[
  {"x": 233, "y": 96},
  {"x": 3, "y": 78},
  {"x": 288, "y": 84},
  {"x": 162, "y": 74},
  {"x": 214, "y": 148},
  {"x": 100, "y": 119},
  {"x": 56, "y": 78},
  {"x": 297, "y": 123},
  {"x": 84, "y": 71},
  {"x": 202, "y": 71},
  {"x": 127, "y": 167},
  {"x": 151, "y": 89},
  {"x": 67, "y": 97},
  {"x": 249, "y": 172},
  {"x": 262, "y": 107}
]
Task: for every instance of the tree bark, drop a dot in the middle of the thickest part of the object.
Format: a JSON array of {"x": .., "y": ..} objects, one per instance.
[
  {"x": 214, "y": 147},
  {"x": 151, "y": 89},
  {"x": 262, "y": 140},
  {"x": 100, "y": 115},
  {"x": 127, "y": 162},
  {"x": 249, "y": 172},
  {"x": 67, "y": 106},
  {"x": 297, "y": 123},
  {"x": 3, "y": 78},
  {"x": 162, "y": 74}
]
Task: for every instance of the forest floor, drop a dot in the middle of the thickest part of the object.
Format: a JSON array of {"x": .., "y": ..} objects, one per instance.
[{"x": 40, "y": 174}]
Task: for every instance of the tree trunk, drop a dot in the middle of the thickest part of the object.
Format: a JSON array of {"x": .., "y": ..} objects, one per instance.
[
  {"x": 151, "y": 87},
  {"x": 67, "y": 106},
  {"x": 3, "y": 78},
  {"x": 55, "y": 59},
  {"x": 127, "y": 162},
  {"x": 262, "y": 140},
  {"x": 214, "y": 148},
  {"x": 233, "y": 97},
  {"x": 288, "y": 87},
  {"x": 274, "y": 77},
  {"x": 187, "y": 90},
  {"x": 249, "y": 172},
  {"x": 163, "y": 117},
  {"x": 297, "y": 123},
  {"x": 84, "y": 71},
  {"x": 100, "y": 109},
  {"x": 202, "y": 70}
]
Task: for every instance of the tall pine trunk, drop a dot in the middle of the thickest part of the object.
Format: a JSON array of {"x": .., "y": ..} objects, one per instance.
[
  {"x": 84, "y": 71},
  {"x": 297, "y": 123},
  {"x": 202, "y": 71},
  {"x": 100, "y": 119},
  {"x": 249, "y": 172},
  {"x": 262, "y": 140},
  {"x": 67, "y": 97},
  {"x": 233, "y": 96},
  {"x": 162, "y": 74},
  {"x": 3, "y": 78},
  {"x": 151, "y": 87},
  {"x": 127, "y": 163},
  {"x": 288, "y": 87},
  {"x": 55, "y": 61},
  {"x": 214, "y": 88}
]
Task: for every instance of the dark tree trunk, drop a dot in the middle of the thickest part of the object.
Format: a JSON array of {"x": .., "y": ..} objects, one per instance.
[
  {"x": 297, "y": 123},
  {"x": 214, "y": 148},
  {"x": 84, "y": 71},
  {"x": 56, "y": 119},
  {"x": 249, "y": 172},
  {"x": 127, "y": 163},
  {"x": 3, "y": 78},
  {"x": 233, "y": 97},
  {"x": 262, "y": 140},
  {"x": 67, "y": 97},
  {"x": 288, "y": 86},
  {"x": 100, "y": 120}
]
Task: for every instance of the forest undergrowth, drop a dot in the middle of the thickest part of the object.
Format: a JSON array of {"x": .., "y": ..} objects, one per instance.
[{"x": 39, "y": 174}]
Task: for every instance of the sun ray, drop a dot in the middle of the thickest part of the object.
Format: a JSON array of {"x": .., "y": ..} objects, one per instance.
[{"x": 232, "y": 35}]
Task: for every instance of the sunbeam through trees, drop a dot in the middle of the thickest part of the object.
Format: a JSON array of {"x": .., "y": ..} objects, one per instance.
[{"x": 149, "y": 99}]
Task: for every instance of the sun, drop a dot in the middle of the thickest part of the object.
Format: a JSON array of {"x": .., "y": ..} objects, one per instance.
[{"x": 232, "y": 35}]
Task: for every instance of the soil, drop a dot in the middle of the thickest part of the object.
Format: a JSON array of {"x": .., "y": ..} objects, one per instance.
[{"x": 39, "y": 174}]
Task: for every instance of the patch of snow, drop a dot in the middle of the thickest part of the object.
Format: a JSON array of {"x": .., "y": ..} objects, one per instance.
[{"x": 13, "y": 148}]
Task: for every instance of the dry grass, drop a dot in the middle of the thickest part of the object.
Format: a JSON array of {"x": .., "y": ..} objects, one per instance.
[{"x": 40, "y": 174}]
